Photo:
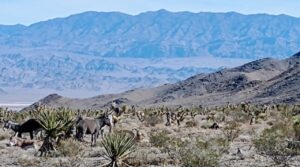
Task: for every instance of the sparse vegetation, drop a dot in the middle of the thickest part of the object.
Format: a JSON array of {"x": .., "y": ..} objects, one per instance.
[
  {"x": 159, "y": 139},
  {"x": 198, "y": 156},
  {"x": 273, "y": 142},
  {"x": 275, "y": 135},
  {"x": 231, "y": 131}
]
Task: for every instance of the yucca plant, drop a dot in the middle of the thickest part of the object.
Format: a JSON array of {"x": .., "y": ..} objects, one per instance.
[
  {"x": 66, "y": 116},
  {"x": 117, "y": 148},
  {"x": 55, "y": 123}
]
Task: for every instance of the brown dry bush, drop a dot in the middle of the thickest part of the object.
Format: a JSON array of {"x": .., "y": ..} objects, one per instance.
[
  {"x": 240, "y": 117},
  {"x": 70, "y": 148},
  {"x": 159, "y": 139},
  {"x": 190, "y": 124},
  {"x": 231, "y": 131},
  {"x": 193, "y": 156},
  {"x": 152, "y": 120}
]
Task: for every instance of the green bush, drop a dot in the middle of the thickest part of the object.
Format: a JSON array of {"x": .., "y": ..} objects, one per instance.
[
  {"x": 273, "y": 143},
  {"x": 192, "y": 156},
  {"x": 231, "y": 131},
  {"x": 159, "y": 139}
]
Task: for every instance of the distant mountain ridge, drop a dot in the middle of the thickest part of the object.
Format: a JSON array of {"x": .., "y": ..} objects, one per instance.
[
  {"x": 88, "y": 73},
  {"x": 100, "y": 51},
  {"x": 160, "y": 34},
  {"x": 262, "y": 81}
]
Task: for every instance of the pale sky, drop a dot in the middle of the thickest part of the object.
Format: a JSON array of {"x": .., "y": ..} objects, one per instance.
[{"x": 31, "y": 11}]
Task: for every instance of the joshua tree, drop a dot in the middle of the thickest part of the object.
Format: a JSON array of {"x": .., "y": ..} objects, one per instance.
[
  {"x": 180, "y": 116},
  {"x": 168, "y": 116},
  {"x": 117, "y": 148}
]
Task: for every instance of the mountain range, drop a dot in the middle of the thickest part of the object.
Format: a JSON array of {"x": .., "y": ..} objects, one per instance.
[
  {"x": 159, "y": 34},
  {"x": 263, "y": 81},
  {"x": 111, "y": 52}
]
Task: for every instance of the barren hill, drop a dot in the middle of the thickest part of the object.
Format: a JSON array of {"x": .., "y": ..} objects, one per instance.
[{"x": 262, "y": 81}]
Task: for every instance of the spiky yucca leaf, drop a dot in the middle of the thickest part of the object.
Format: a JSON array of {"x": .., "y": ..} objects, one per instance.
[
  {"x": 54, "y": 122},
  {"x": 67, "y": 117},
  {"x": 117, "y": 147}
]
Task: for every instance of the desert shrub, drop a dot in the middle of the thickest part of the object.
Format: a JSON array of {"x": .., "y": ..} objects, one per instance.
[
  {"x": 190, "y": 124},
  {"x": 153, "y": 120},
  {"x": 146, "y": 156},
  {"x": 219, "y": 145},
  {"x": 231, "y": 131},
  {"x": 70, "y": 148},
  {"x": 273, "y": 143},
  {"x": 193, "y": 156},
  {"x": 70, "y": 162},
  {"x": 219, "y": 117},
  {"x": 240, "y": 117},
  {"x": 175, "y": 144},
  {"x": 25, "y": 162},
  {"x": 159, "y": 139}
]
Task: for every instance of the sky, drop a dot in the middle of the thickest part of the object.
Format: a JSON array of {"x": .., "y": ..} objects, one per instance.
[{"x": 31, "y": 11}]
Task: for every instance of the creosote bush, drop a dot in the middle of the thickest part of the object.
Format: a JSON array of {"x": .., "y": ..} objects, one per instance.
[
  {"x": 273, "y": 143},
  {"x": 191, "y": 123},
  {"x": 153, "y": 120},
  {"x": 193, "y": 156},
  {"x": 70, "y": 148},
  {"x": 159, "y": 139},
  {"x": 231, "y": 131}
]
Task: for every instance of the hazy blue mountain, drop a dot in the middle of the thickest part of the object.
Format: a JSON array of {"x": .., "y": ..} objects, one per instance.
[
  {"x": 161, "y": 34},
  {"x": 113, "y": 52},
  {"x": 89, "y": 73}
]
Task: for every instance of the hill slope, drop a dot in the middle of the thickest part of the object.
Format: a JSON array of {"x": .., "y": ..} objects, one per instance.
[{"x": 262, "y": 81}]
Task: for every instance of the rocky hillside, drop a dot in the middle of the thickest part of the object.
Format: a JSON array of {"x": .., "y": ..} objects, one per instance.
[{"x": 262, "y": 81}]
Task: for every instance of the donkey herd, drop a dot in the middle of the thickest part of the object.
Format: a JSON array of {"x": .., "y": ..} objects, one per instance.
[{"x": 82, "y": 125}]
